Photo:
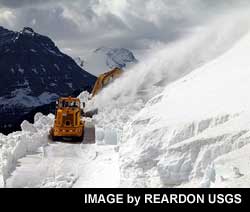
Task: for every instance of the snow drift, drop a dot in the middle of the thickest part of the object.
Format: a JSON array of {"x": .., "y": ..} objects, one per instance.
[
  {"x": 178, "y": 135},
  {"x": 172, "y": 132},
  {"x": 19, "y": 144}
]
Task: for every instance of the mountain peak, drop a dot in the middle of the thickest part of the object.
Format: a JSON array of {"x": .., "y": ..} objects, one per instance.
[
  {"x": 27, "y": 31},
  {"x": 33, "y": 71},
  {"x": 105, "y": 58}
]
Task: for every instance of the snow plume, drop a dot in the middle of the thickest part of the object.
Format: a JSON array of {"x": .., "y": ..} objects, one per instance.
[
  {"x": 179, "y": 135},
  {"x": 128, "y": 94}
]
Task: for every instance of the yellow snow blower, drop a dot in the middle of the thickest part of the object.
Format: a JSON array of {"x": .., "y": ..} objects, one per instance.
[
  {"x": 68, "y": 121},
  {"x": 105, "y": 79}
]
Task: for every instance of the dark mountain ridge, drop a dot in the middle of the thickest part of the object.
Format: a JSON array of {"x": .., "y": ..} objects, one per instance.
[{"x": 33, "y": 73}]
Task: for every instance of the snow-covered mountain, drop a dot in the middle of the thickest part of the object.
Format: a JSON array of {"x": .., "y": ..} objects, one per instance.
[
  {"x": 34, "y": 72},
  {"x": 103, "y": 59}
]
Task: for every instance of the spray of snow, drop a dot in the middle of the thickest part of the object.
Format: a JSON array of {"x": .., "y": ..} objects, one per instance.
[
  {"x": 120, "y": 101},
  {"x": 179, "y": 134}
]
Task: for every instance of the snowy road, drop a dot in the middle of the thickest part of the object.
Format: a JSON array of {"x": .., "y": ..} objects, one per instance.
[{"x": 65, "y": 164}]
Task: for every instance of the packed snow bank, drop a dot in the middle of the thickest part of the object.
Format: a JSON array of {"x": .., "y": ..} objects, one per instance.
[
  {"x": 150, "y": 117},
  {"x": 107, "y": 136},
  {"x": 173, "y": 131},
  {"x": 19, "y": 144},
  {"x": 104, "y": 135},
  {"x": 232, "y": 170},
  {"x": 197, "y": 119}
]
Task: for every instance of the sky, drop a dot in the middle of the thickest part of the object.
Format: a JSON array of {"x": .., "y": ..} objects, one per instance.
[{"x": 81, "y": 26}]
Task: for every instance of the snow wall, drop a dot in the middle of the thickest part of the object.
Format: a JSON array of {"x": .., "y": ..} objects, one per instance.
[
  {"x": 163, "y": 145},
  {"x": 18, "y": 144}
]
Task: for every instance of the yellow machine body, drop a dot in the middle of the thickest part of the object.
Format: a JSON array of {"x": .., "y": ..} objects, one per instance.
[
  {"x": 68, "y": 121},
  {"x": 105, "y": 79}
]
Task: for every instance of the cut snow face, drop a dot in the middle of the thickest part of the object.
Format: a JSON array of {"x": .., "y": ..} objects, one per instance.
[
  {"x": 174, "y": 137},
  {"x": 179, "y": 134},
  {"x": 232, "y": 170}
]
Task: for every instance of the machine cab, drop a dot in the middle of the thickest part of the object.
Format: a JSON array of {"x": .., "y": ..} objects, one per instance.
[
  {"x": 68, "y": 103},
  {"x": 68, "y": 112},
  {"x": 68, "y": 123}
]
